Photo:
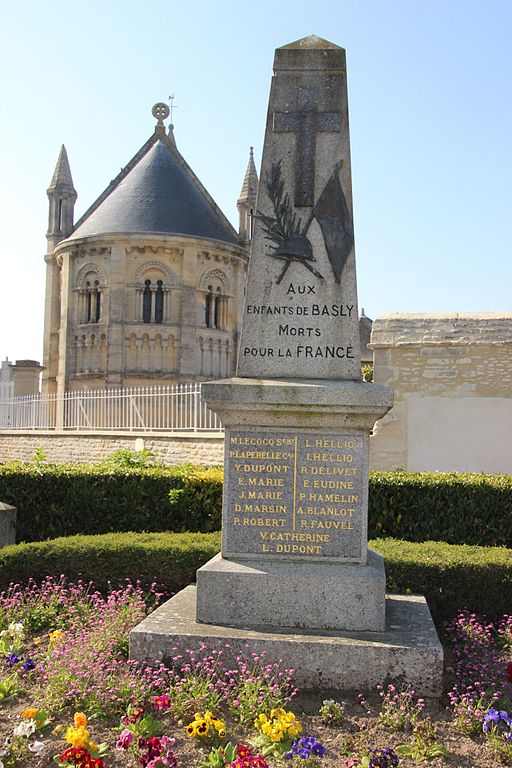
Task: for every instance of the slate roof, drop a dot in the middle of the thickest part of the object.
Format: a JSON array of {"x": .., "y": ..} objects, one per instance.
[{"x": 157, "y": 192}]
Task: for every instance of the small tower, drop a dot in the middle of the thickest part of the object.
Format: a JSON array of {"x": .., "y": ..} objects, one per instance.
[
  {"x": 247, "y": 201},
  {"x": 62, "y": 196}
]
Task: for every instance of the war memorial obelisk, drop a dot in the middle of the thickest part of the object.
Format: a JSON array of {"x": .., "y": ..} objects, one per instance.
[{"x": 295, "y": 577}]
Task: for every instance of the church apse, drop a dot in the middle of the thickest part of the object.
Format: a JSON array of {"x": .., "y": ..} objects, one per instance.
[{"x": 147, "y": 286}]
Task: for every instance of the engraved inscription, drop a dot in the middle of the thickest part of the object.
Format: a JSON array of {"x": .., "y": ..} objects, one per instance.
[{"x": 292, "y": 495}]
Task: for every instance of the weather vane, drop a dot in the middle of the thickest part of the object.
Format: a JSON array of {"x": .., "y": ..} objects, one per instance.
[{"x": 173, "y": 105}]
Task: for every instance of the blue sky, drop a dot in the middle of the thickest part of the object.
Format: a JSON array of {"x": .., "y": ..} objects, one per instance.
[{"x": 430, "y": 117}]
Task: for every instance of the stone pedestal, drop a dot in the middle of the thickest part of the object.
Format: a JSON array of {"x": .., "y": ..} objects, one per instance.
[
  {"x": 7, "y": 525},
  {"x": 248, "y": 593},
  {"x": 408, "y": 651},
  {"x": 295, "y": 579},
  {"x": 294, "y": 527}
]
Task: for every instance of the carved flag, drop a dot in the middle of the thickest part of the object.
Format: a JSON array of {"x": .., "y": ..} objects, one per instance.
[{"x": 333, "y": 216}]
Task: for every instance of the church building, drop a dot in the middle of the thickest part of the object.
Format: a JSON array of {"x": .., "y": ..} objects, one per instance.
[{"x": 148, "y": 286}]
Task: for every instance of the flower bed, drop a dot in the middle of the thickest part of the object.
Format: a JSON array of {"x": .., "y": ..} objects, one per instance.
[{"x": 67, "y": 691}]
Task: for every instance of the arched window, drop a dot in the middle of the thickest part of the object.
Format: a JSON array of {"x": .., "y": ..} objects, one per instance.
[
  {"x": 97, "y": 298},
  {"x": 154, "y": 281},
  {"x": 214, "y": 286},
  {"x": 208, "y": 307},
  {"x": 146, "y": 302},
  {"x": 153, "y": 301},
  {"x": 88, "y": 301},
  {"x": 216, "y": 309},
  {"x": 90, "y": 287},
  {"x": 159, "y": 302}
]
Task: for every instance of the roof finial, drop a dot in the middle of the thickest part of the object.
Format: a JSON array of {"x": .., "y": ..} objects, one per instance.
[{"x": 161, "y": 111}]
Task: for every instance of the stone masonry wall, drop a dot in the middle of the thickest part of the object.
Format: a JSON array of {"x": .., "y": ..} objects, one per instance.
[
  {"x": 426, "y": 359},
  {"x": 83, "y": 448}
]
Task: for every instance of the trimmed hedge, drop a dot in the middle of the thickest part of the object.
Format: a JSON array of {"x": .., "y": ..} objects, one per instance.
[
  {"x": 451, "y": 577},
  {"x": 433, "y": 506},
  {"x": 170, "y": 559},
  {"x": 66, "y": 499},
  {"x": 60, "y": 500}
]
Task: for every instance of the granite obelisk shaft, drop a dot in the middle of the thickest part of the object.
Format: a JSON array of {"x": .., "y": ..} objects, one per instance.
[{"x": 301, "y": 318}]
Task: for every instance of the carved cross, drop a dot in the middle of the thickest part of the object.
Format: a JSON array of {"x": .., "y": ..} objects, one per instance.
[{"x": 306, "y": 122}]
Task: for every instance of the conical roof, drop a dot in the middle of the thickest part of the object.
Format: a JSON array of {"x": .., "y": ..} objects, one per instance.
[
  {"x": 62, "y": 180},
  {"x": 156, "y": 193},
  {"x": 250, "y": 185}
]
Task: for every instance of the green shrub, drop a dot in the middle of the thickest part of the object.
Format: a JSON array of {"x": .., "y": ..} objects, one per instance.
[
  {"x": 456, "y": 508},
  {"x": 451, "y": 577},
  {"x": 64, "y": 499},
  {"x": 60, "y": 500},
  {"x": 125, "y": 458},
  {"x": 170, "y": 559}
]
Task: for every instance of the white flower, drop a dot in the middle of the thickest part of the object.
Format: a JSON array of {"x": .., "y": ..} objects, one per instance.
[
  {"x": 24, "y": 729},
  {"x": 37, "y": 747},
  {"x": 15, "y": 629}
]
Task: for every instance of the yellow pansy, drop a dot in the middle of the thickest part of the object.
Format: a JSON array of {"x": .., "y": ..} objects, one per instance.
[{"x": 77, "y": 737}]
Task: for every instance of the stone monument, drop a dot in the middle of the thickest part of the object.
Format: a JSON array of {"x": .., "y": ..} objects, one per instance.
[{"x": 295, "y": 577}]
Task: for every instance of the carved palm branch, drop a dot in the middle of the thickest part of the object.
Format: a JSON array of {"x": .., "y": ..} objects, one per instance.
[
  {"x": 284, "y": 228},
  {"x": 285, "y": 221}
]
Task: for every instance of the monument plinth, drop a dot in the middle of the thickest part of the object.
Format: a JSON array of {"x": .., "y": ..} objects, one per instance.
[{"x": 295, "y": 576}]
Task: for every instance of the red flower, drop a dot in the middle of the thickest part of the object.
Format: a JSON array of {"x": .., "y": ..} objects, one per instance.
[
  {"x": 80, "y": 757},
  {"x": 134, "y": 716},
  {"x": 509, "y": 672},
  {"x": 161, "y": 702}
]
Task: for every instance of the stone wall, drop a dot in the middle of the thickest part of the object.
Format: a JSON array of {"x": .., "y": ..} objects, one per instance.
[
  {"x": 452, "y": 379},
  {"x": 92, "y": 447}
]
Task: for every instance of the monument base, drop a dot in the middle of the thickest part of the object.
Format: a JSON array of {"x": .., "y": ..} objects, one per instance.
[
  {"x": 407, "y": 652},
  {"x": 254, "y": 592}
]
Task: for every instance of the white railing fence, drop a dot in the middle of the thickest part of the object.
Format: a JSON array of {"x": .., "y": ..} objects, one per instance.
[{"x": 177, "y": 408}]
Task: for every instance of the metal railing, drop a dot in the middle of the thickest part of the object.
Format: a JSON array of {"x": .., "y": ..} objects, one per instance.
[{"x": 177, "y": 408}]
